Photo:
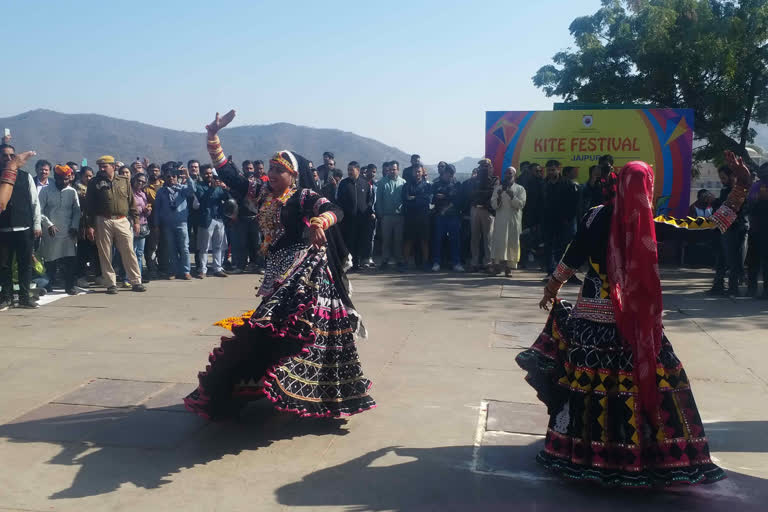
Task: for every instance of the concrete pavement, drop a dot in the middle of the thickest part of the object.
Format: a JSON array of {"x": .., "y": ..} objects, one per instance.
[{"x": 90, "y": 419}]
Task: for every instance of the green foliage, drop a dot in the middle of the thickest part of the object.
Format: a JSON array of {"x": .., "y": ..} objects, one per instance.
[{"x": 708, "y": 55}]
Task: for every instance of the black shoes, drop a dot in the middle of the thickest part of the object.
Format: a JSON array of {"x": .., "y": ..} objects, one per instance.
[
  {"x": 28, "y": 304},
  {"x": 138, "y": 288},
  {"x": 112, "y": 290}
]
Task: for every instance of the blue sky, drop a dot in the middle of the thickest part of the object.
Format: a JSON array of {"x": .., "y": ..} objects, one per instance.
[{"x": 418, "y": 75}]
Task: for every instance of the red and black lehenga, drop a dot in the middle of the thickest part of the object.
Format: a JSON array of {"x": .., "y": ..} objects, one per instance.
[
  {"x": 584, "y": 373},
  {"x": 297, "y": 347}
]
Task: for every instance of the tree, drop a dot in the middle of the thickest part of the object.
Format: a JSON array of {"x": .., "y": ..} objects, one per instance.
[{"x": 708, "y": 55}]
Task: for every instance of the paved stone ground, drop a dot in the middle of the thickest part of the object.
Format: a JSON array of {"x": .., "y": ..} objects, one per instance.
[{"x": 90, "y": 388}]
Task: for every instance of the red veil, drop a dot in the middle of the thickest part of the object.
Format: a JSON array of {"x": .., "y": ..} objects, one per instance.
[{"x": 633, "y": 272}]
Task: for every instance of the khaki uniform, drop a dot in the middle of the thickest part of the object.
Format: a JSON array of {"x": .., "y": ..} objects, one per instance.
[{"x": 109, "y": 205}]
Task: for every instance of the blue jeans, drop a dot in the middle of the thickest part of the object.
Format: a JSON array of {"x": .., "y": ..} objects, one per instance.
[
  {"x": 446, "y": 225},
  {"x": 177, "y": 244},
  {"x": 138, "y": 248}
]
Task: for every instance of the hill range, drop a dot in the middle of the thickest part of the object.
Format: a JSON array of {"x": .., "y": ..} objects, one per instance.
[{"x": 63, "y": 137}]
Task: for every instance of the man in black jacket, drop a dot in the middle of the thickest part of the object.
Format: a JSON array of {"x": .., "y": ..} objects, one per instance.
[
  {"x": 550, "y": 220},
  {"x": 445, "y": 197},
  {"x": 731, "y": 259},
  {"x": 19, "y": 226},
  {"x": 355, "y": 197},
  {"x": 533, "y": 183}
]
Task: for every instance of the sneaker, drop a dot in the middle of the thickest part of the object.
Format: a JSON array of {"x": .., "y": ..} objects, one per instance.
[
  {"x": 112, "y": 290},
  {"x": 436, "y": 267},
  {"x": 260, "y": 271},
  {"x": 458, "y": 267},
  {"x": 28, "y": 304},
  {"x": 83, "y": 282},
  {"x": 220, "y": 274},
  {"x": 508, "y": 272},
  {"x": 139, "y": 288},
  {"x": 5, "y": 304},
  {"x": 187, "y": 276},
  {"x": 200, "y": 275},
  {"x": 71, "y": 291},
  {"x": 126, "y": 284},
  {"x": 171, "y": 277}
]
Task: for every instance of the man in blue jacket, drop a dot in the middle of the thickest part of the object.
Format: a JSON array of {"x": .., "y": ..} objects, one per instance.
[
  {"x": 210, "y": 224},
  {"x": 172, "y": 205}
]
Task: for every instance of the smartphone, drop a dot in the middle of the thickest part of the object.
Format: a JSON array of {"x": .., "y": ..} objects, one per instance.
[{"x": 7, "y": 132}]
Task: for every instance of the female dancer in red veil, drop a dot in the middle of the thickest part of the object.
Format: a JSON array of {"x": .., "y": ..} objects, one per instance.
[{"x": 621, "y": 408}]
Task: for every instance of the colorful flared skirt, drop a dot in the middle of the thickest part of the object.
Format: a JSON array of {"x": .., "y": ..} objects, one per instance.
[
  {"x": 297, "y": 349},
  {"x": 584, "y": 375}
]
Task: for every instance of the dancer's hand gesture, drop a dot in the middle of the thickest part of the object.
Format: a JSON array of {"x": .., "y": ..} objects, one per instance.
[
  {"x": 547, "y": 300},
  {"x": 19, "y": 159},
  {"x": 317, "y": 236},
  {"x": 739, "y": 168},
  {"x": 220, "y": 122}
]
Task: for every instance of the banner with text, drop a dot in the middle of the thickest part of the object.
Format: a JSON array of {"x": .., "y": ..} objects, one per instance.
[{"x": 661, "y": 137}]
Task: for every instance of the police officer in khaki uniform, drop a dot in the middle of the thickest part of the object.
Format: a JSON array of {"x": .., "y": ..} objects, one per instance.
[{"x": 109, "y": 203}]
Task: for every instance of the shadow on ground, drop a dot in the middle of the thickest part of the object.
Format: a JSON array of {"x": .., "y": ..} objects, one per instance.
[
  {"x": 422, "y": 479},
  {"x": 391, "y": 478},
  {"x": 106, "y": 464}
]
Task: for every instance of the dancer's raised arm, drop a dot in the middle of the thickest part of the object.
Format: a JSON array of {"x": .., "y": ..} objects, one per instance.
[
  {"x": 214, "y": 145},
  {"x": 226, "y": 170},
  {"x": 9, "y": 166}
]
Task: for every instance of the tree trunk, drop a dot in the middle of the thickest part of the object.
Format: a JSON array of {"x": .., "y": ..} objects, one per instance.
[{"x": 748, "y": 108}]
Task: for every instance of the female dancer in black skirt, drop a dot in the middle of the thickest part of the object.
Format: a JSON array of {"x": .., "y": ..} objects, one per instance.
[
  {"x": 298, "y": 347},
  {"x": 621, "y": 408}
]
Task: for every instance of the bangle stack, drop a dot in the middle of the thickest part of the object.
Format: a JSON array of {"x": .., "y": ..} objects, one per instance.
[
  {"x": 8, "y": 176},
  {"x": 553, "y": 286},
  {"x": 323, "y": 221},
  {"x": 736, "y": 197},
  {"x": 217, "y": 153}
]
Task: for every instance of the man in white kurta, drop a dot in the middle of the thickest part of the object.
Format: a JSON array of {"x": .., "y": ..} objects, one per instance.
[
  {"x": 508, "y": 199},
  {"x": 60, "y": 209}
]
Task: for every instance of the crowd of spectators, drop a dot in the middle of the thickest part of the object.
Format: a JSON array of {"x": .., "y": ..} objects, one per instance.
[{"x": 123, "y": 226}]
